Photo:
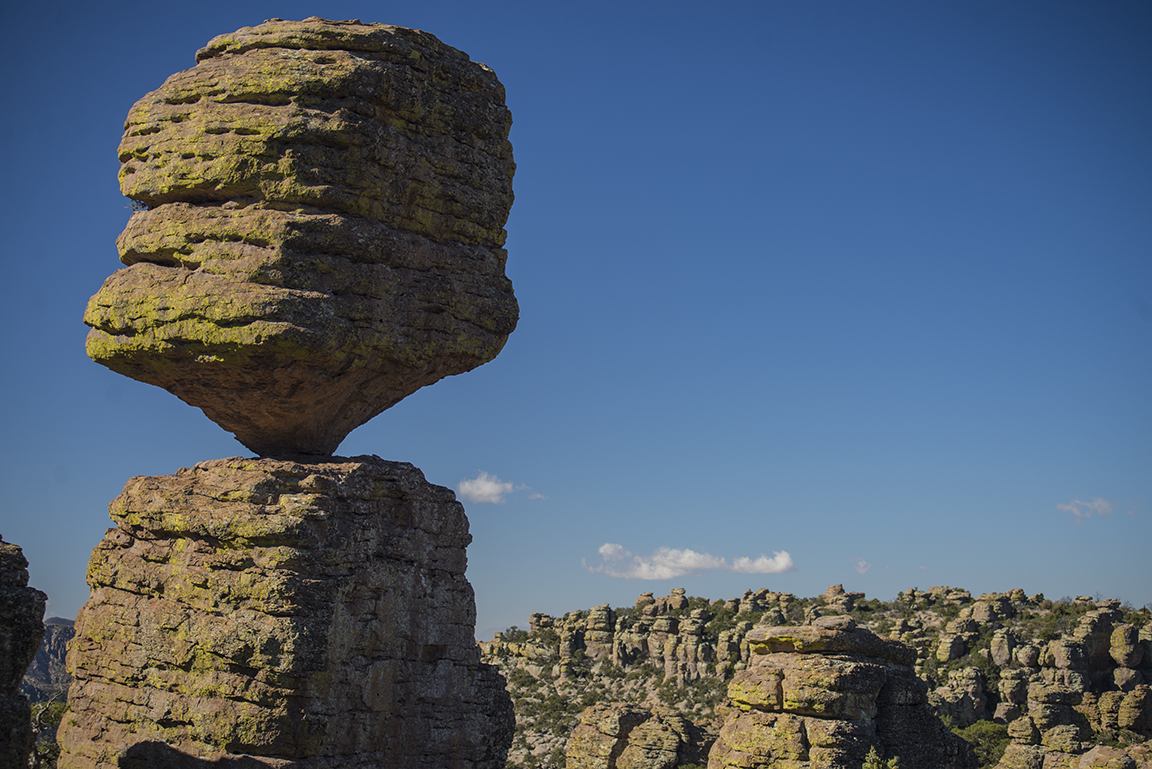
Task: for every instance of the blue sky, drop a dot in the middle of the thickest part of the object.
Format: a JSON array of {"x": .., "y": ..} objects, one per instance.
[{"x": 864, "y": 289}]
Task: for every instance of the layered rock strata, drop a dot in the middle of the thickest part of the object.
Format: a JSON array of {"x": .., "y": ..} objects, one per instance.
[
  {"x": 323, "y": 236},
  {"x": 824, "y": 695},
  {"x": 21, "y": 628},
  {"x": 618, "y": 736},
  {"x": 305, "y": 615}
]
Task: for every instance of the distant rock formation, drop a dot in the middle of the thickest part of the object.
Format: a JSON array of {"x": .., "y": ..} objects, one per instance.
[
  {"x": 47, "y": 677},
  {"x": 21, "y": 628},
  {"x": 987, "y": 662},
  {"x": 326, "y": 203},
  {"x": 312, "y": 615},
  {"x": 823, "y": 695}
]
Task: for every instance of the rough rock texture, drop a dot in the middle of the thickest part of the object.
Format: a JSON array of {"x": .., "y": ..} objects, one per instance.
[
  {"x": 21, "y": 628},
  {"x": 823, "y": 695},
  {"x": 617, "y": 736},
  {"x": 311, "y": 615},
  {"x": 326, "y": 204}
]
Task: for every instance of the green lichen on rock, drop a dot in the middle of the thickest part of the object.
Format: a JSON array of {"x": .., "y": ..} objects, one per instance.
[{"x": 324, "y": 233}]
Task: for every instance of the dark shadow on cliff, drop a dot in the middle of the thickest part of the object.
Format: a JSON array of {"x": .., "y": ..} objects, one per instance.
[{"x": 157, "y": 755}]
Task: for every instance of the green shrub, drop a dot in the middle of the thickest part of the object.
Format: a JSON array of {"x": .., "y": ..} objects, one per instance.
[{"x": 988, "y": 739}]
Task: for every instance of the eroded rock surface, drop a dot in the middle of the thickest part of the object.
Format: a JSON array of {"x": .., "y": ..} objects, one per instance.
[
  {"x": 620, "y": 736},
  {"x": 306, "y": 615},
  {"x": 326, "y": 208},
  {"x": 21, "y": 628},
  {"x": 823, "y": 695}
]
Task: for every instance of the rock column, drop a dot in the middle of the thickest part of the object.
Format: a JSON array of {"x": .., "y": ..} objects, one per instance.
[
  {"x": 312, "y": 615},
  {"x": 823, "y": 695},
  {"x": 320, "y": 234},
  {"x": 21, "y": 630}
]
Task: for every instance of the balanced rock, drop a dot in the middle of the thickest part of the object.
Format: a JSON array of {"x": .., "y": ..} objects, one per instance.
[
  {"x": 324, "y": 230},
  {"x": 824, "y": 695},
  {"x": 21, "y": 628},
  {"x": 304, "y": 615}
]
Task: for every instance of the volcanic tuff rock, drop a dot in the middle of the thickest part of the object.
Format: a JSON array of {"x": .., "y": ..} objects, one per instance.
[
  {"x": 822, "y": 695},
  {"x": 615, "y": 736},
  {"x": 21, "y": 628},
  {"x": 305, "y": 615},
  {"x": 326, "y": 208}
]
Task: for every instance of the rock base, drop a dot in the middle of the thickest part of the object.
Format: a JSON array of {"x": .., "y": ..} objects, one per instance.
[{"x": 276, "y": 613}]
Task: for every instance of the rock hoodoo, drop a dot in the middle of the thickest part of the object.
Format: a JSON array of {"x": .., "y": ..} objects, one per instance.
[
  {"x": 21, "y": 629},
  {"x": 323, "y": 236},
  {"x": 823, "y": 695},
  {"x": 314, "y": 612}
]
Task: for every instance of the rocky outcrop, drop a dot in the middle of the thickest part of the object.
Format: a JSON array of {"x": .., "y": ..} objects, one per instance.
[
  {"x": 21, "y": 628},
  {"x": 307, "y": 615},
  {"x": 323, "y": 236},
  {"x": 824, "y": 695},
  {"x": 617, "y": 736}
]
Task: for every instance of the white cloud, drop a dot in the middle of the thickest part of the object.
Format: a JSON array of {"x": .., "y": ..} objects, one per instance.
[
  {"x": 779, "y": 563},
  {"x": 861, "y": 566},
  {"x": 484, "y": 488},
  {"x": 1081, "y": 510},
  {"x": 669, "y": 563}
]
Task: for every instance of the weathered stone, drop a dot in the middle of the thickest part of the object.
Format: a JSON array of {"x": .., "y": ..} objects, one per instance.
[
  {"x": 1125, "y": 647},
  {"x": 327, "y": 203},
  {"x": 21, "y": 628},
  {"x": 826, "y": 636},
  {"x": 823, "y": 695},
  {"x": 962, "y": 698},
  {"x": 1105, "y": 757},
  {"x": 310, "y": 613},
  {"x": 616, "y": 736}
]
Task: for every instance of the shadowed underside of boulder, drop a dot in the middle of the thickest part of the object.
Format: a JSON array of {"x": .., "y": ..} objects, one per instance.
[{"x": 326, "y": 203}]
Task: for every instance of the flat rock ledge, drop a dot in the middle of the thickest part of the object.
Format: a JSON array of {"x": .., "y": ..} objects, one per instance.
[
  {"x": 283, "y": 613},
  {"x": 322, "y": 230},
  {"x": 824, "y": 695}
]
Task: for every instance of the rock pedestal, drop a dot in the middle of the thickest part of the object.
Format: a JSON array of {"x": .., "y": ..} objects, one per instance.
[
  {"x": 823, "y": 695},
  {"x": 276, "y": 613},
  {"x": 21, "y": 629}
]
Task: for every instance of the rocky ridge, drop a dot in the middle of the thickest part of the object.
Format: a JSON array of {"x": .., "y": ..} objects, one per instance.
[{"x": 999, "y": 668}]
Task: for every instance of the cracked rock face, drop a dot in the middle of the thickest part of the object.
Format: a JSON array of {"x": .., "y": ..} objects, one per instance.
[
  {"x": 274, "y": 613},
  {"x": 323, "y": 236}
]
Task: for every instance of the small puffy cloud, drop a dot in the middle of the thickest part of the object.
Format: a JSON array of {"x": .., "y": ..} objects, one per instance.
[
  {"x": 861, "y": 566},
  {"x": 1081, "y": 510},
  {"x": 484, "y": 488},
  {"x": 779, "y": 563},
  {"x": 670, "y": 563}
]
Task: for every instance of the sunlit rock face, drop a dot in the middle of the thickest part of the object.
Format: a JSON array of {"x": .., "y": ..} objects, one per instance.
[
  {"x": 825, "y": 695},
  {"x": 324, "y": 230},
  {"x": 271, "y": 613}
]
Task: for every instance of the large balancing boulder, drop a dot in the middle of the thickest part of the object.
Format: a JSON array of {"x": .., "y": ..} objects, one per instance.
[{"x": 322, "y": 234}]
